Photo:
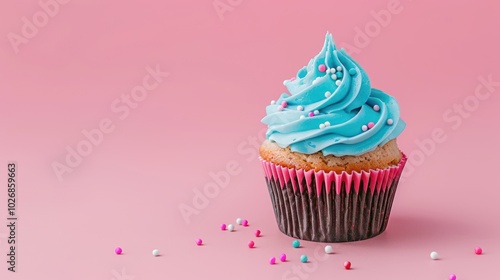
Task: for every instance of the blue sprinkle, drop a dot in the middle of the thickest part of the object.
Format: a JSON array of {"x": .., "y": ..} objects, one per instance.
[
  {"x": 352, "y": 71},
  {"x": 296, "y": 243},
  {"x": 339, "y": 74},
  {"x": 303, "y": 258}
]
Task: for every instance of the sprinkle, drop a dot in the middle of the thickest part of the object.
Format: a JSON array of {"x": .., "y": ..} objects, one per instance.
[
  {"x": 251, "y": 244},
  {"x": 371, "y": 125},
  {"x": 334, "y": 77},
  {"x": 272, "y": 260},
  {"x": 156, "y": 252},
  {"x": 327, "y": 71},
  {"x": 434, "y": 255},
  {"x": 303, "y": 258},
  {"x": 244, "y": 223},
  {"x": 332, "y": 70},
  {"x": 315, "y": 81},
  {"x": 311, "y": 114},
  {"x": 118, "y": 250},
  {"x": 300, "y": 108},
  {"x": 285, "y": 82},
  {"x": 364, "y": 128},
  {"x": 292, "y": 79},
  {"x": 327, "y": 124},
  {"x": 338, "y": 82},
  {"x": 280, "y": 108},
  {"x": 352, "y": 71},
  {"x": 223, "y": 227},
  {"x": 199, "y": 242},
  {"x": 296, "y": 243},
  {"x": 316, "y": 112},
  {"x": 283, "y": 257},
  {"x": 478, "y": 250},
  {"x": 453, "y": 277},
  {"x": 376, "y": 108},
  {"x": 284, "y": 104},
  {"x": 230, "y": 227},
  {"x": 390, "y": 121},
  {"x": 339, "y": 68},
  {"x": 321, "y": 126},
  {"x": 257, "y": 233},
  {"x": 322, "y": 68},
  {"x": 347, "y": 265},
  {"x": 238, "y": 221},
  {"x": 328, "y": 249},
  {"x": 328, "y": 94},
  {"x": 302, "y": 117},
  {"x": 340, "y": 75},
  {"x": 273, "y": 102}
]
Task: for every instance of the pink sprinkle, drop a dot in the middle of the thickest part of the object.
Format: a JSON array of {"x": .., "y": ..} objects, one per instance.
[
  {"x": 199, "y": 241},
  {"x": 284, "y": 104},
  {"x": 292, "y": 79},
  {"x": 251, "y": 244},
  {"x": 311, "y": 114},
  {"x": 118, "y": 251},
  {"x": 257, "y": 233},
  {"x": 244, "y": 223},
  {"x": 453, "y": 277},
  {"x": 347, "y": 265},
  {"x": 272, "y": 260},
  {"x": 478, "y": 250},
  {"x": 223, "y": 227},
  {"x": 283, "y": 257},
  {"x": 322, "y": 68},
  {"x": 370, "y": 125}
]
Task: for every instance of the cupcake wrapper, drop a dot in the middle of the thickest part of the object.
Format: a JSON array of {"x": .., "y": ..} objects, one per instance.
[{"x": 331, "y": 207}]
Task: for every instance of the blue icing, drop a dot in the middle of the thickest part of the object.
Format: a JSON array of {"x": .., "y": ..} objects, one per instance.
[{"x": 348, "y": 107}]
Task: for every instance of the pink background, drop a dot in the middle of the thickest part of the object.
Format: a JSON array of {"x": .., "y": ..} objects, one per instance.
[{"x": 223, "y": 72}]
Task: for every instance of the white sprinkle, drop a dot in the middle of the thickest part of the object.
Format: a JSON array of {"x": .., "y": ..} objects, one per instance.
[
  {"x": 327, "y": 124},
  {"x": 364, "y": 128},
  {"x": 156, "y": 252},
  {"x": 239, "y": 221},
  {"x": 434, "y": 255},
  {"x": 316, "y": 112},
  {"x": 302, "y": 117},
  {"x": 390, "y": 121},
  {"x": 273, "y": 102},
  {"x": 280, "y": 108},
  {"x": 285, "y": 82},
  {"x": 328, "y": 94},
  {"x": 334, "y": 77},
  {"x": 332, "y": 70},
  {"x": 328, "y": 249},
  {"x": 230, "y": 227},
  {"x": 300, "y": 108},
  {"x": 321, "y": 126},
  {"x": 338, "y": 82},
  {"x": 339, "y": 68},
  {"x": 327, "y": 71},
  {"x": 316, "y": 80},
  {"x": 376, "y": 108}
]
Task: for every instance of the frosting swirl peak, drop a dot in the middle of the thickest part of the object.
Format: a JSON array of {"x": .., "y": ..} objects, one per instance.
[{"x": 332, "y": 108}]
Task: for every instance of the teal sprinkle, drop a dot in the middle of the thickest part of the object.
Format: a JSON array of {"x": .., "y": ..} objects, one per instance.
[
  {"x": 339, "y": 74},
  {"x": 296, "y": 243},
  {"x": 303, "y": 258},
  {"x": 352, "y": 71}
]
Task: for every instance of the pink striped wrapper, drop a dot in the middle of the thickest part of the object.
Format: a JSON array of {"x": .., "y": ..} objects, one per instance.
[{"x": 331, "y": 207}]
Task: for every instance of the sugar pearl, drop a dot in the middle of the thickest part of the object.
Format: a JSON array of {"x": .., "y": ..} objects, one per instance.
[
  {"x": 334, "y": 77},
  {"x": 316, "y": 112},
  {"x": 300, "y": 108},
  {"x": 434, "y": 255},
  {"x": 478, "y": 250},
  {"x": 340, "y": 75},
  {"x": 283, "y": 257},
  {"x": 338, "y": 82},
  {"x": 199, "y": 241},
  {"x": 304, "y": 258},
  {"x": 118, "y": 250},
  {"x": 339, "y": 68},
  {"x": 285, "y": 82},
  {"x": 230, "y": 227},
  {"x": 352, "y": 71},
  {"x": 272, "y": 260},
  {"x": 257, "y": 233},
  {"x": 332, "y": 70},
  {"x": 322, "y": 68},
  {"x": 370, "y": 125},
  {"x": 328, "y": 94},
  {"x": 347, "y": 265},
  {"x": 321, "y": 126},
  {"x": 364, "y": 128},
  {"x": 239, "y": 220},
  {"x": 390, "y": 121},
  {"x": 452, "y": 277},
  {"x": 296, "y": 243},
  {"x": 251, "y": 244},
  {"x": 273, "y": 102},
  {"x": 280, "y": 108},
  {"x": 223, "y": 227},
  {"x": 328, "y": 249},
  {"x": 156, "y": 252},
  {"x": 327, "y": 124},
  {"x": 284, "y": 104},
  {"x": 376, "y": 108},
  {"x": 311, "y": 114},
  {"x": 244, "y": 223}
]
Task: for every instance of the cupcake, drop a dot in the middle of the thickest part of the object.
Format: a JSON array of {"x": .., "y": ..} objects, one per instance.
[{"x": 330, "y": 158}]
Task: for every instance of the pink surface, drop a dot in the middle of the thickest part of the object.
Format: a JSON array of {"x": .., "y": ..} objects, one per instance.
[{"x": 196, "y": 130}]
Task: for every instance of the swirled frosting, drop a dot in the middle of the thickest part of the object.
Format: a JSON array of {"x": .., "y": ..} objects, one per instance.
[{"x": 332, "y": 108}]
